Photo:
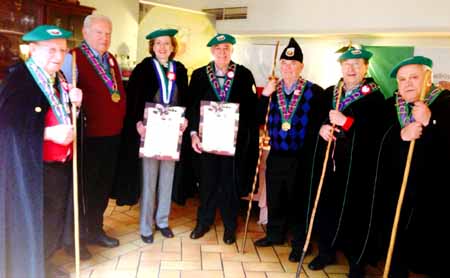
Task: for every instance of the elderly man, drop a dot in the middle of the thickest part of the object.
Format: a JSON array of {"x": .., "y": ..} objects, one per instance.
[
  {"x": 104, "y": 106},
  {"x": 295, "y": 114},
  {"x": 35, "y": 156},
  {"x": 421, "y": 230},
  {"x": 222, "y": 177},
  {"x": 346, "y": 205}
]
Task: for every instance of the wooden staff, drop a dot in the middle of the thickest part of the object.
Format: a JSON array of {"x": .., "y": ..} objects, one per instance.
[
  {"x": 319, "y": 189},
  {"x": 263, "y": 143},
  {"x": 75, "y": 173},
  {"x": 387, "y": 266}
]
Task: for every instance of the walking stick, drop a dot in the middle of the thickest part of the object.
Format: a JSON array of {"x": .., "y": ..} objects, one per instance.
[
  {"x": 263, "y": 143},
  {"x": 319, "y": 189},
  {"x": 387, "y": 266},
  {"x": 75, "y": 173}
]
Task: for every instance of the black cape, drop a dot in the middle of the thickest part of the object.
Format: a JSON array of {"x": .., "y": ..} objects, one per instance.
[
  {"x": 21, "y": 175},
  {"x": 142, "y": 87},
  {"x": 345, "y": 209},
  {"x": 243, "y": 91},
  {"x": 421, "y": 231}
]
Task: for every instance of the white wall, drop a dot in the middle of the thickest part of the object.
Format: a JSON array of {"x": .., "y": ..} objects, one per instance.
[
  {"x": 124, "y": 15},
  {"x": 332, "y": 16}
]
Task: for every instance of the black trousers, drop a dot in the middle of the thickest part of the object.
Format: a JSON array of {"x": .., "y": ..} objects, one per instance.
[
  {"x": 100, "y": 165},
  {"x": 286, "y": 199},
  {"x": 57, "y": 204},
  {"x": 217, "y": 189}
]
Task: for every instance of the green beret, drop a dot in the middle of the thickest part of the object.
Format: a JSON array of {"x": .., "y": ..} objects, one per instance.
[
  {"x": 221, "y": 38},
  {"x": 46, "y": 32},
  {"x": 355, "y": 53},
  {"x": 161, "y": 32},
  {"x": 415, "y": 60}
]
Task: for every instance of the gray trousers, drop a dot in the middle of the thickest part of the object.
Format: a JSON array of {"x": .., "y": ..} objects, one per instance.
[{"x": 154, "y": 171}]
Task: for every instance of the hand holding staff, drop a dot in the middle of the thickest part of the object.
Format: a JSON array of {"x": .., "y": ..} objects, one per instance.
[
  {"x": 263, "y": 144},
  {"x": 403, "y": 187},
  {"x": 319, "y": 189}
]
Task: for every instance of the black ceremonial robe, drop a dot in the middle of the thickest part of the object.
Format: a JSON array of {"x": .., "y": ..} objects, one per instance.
[
  {"x": 344, "y": 217},
  {"x": 22, "y": 111},
  {"x": 421, "y": 232},
  {"x": 243, "y": 91}
]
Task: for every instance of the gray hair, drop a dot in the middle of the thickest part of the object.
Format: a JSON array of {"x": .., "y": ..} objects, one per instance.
[{"x": 88, "y": 20}]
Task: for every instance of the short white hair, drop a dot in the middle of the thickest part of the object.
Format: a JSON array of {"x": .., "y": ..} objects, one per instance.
[{"x": 88, "y": 20}]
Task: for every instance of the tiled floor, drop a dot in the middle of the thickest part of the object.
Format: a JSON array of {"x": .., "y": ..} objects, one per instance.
[{"x": 182, "y": 257}]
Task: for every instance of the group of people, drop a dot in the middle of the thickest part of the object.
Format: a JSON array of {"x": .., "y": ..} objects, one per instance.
[{"x": 370, "y": 137}]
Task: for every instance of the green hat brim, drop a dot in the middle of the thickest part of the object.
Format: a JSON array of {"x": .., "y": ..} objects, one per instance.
[
  {"x": 415, "y": 60},
  {"x": 161, "y": 33},
  {"x": 221, "y": 38},
  {"x": 46, "y": 32},
  {"x": 353, "y": 53}
]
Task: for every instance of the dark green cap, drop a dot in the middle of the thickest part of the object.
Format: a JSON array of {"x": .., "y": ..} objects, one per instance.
[
  {"x": 355, "y": 53},
  {"x": 46, "y": 32},
  {"x": 221, "y": 38},
  {"x": 161, "y": 32},
  {"x": 415, "y": 60}
]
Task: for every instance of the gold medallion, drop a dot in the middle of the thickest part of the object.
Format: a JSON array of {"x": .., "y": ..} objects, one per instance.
[
  {"x": 115, "y": 97},
  {"x": 285, "y": 126}
]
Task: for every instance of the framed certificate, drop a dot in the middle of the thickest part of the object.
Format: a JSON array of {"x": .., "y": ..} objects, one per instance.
[
  {"x": 218, "y": 129},
  {"x": 163, "y": 135}
]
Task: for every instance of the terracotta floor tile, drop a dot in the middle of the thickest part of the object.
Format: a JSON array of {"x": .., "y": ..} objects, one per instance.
[
  {"x": 219, "y": 248},
  {"x": 246, "y": 257},
  {"x": 160, "y": 256},
  {"x": 262, "y": 266},
  {"x": 120, "y": 250},
  {"x": 211, "y": 261},
  {"x": 181, "y": 265},
  {"x": 283, "y": 275},
  {"x": 148, "y": 274},
  {"x": 267, "y": 254},
  {"x": 190, "y": 252},
  {"x": 255, "y": 274},
  {"x": 201, "y": 274},
  {"x": 169, "y": 274},
  {"x": 183, "y": 257},
  {"x": 172, "y": 245},
  {"x": 233, "y": 269},
  {"x": 130, "y": 237}
]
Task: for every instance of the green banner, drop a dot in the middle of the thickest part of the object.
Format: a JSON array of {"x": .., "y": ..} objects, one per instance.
[{"x": 383, "y": 60}]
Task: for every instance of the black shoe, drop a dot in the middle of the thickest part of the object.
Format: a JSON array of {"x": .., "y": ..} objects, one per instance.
[
  {"x": 229, "y": 237},
  {"x": 51, "y": 271},
  {"x": 265, "y": 241},
  {"x": 199, "y": 231},
  {"x": 84, "y": 252},
  {"x": 166, "y": 232},
  {"x": 104, "y": 240},
  {"x": 295, "y": 255},
  {"x": 321, "y": 261},
  {"x": 147, "y": 239}
]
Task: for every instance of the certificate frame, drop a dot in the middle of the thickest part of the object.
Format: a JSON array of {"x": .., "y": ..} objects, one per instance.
[
  {"x": 219, "y": 123},
  {"x": 163, "y": 133}
]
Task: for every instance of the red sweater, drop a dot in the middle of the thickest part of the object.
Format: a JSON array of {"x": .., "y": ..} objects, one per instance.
[
  {"x": 103, "y": 116},
  {"x": 53, "y": 152}
]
